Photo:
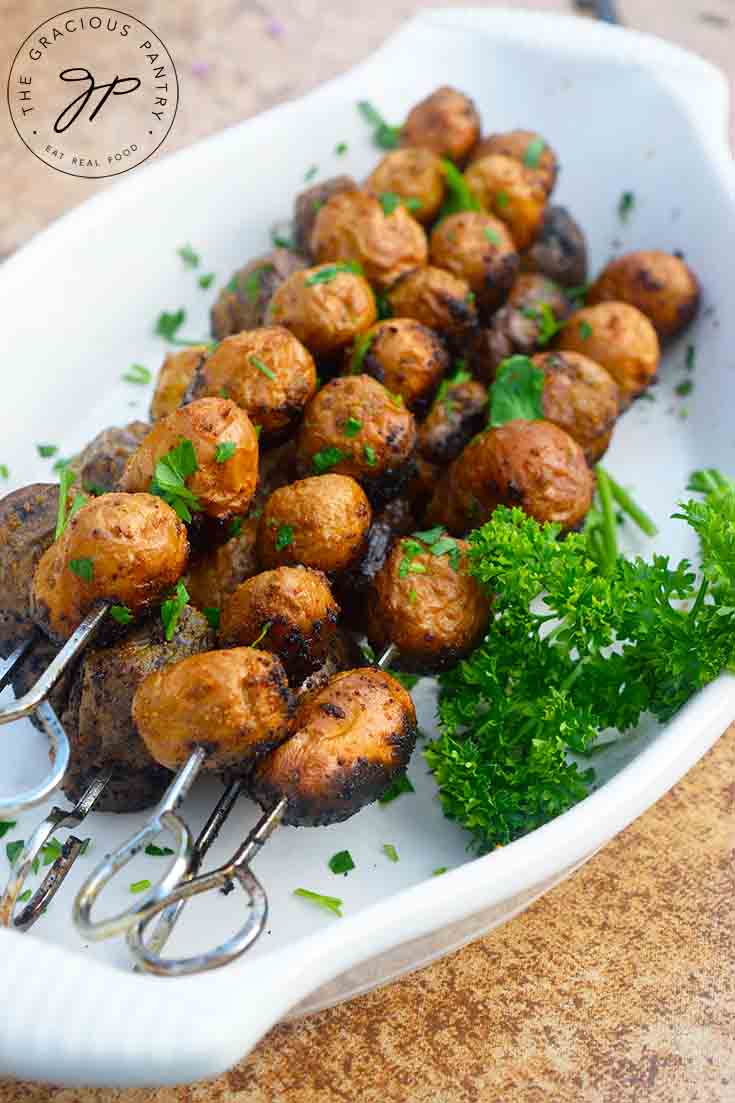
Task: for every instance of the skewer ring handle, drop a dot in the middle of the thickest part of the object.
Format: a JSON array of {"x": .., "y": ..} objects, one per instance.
[
  {"x": 257, "y": 904},
  {"x": 27, "y": 798}
]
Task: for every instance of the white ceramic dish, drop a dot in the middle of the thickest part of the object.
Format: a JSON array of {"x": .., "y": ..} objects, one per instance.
[{"x": 625, "y": 112}]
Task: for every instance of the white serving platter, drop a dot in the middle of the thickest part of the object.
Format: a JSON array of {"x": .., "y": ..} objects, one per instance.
[{"x": 626, "y": 112}]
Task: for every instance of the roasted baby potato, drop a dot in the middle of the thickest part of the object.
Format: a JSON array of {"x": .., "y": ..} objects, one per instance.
[
  {"x": 526, "y": 147},
  {"x": 446, "y": 122},
  {"x": 505, "y": 188},
  {"x": 236, "y": 704},
  {"x": 354, "y": 426},
  {"x": 321, "y": 522},
  {"x": 225, "y": 480},
  {"x": 242, "y": 303},
  {"x": 559, "y": 251},
  {"x": 427, "y": 604},
  {"x": 290, "y": 611},
  {"x": 415, "y": 177},
  {"x": 404, "y": 355},
  {"x": 353, "y": 226},
  {"x": 175, "y": 377},
  {"x": 621, "y": 339},
  {"x": 267, "y": 372},
  {"x": 326, "y": 307},
  {"x": 308, "y": 203},
  {"x": 128, "y": 549},
  {"x": 662, "y": 286},
  {"x": 350, "y": 740},
  {"x": 580, "y": 397},
  {"x": 530, "y": 464},
  {"x": 460, "y": 411},
  {"x": 479, "y": 249},
  {"x": 438, "y": 299}
]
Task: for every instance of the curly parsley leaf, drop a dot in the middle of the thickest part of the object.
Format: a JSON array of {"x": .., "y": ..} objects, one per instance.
[
  {"x": 172, "y": 608},
  {"x": 517, "y": 392},
  {"x": 169, "y": 479}
]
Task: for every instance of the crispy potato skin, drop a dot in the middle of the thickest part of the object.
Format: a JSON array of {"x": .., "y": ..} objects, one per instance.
[
  {"x": 354, "y": 226},
  {"x": 406, "y": 357},
  {"x": 438, "y": 299},
  {"x": 580, "y": 397},
  {"x": 323, "y": 316},
  {"x": 274, "y": 401},
  {"x": 411, "y": 174},
  {"x": 560, "y": 250},
  {"x": 479, "y": 249},
  {"x": 379, "y": 454},
  {"x": 351, "y": 739},
  {"x": 27, "y": 524},
  {"x": 530, "y": 464},
  {"x": 453, "y": 421},
  {"x": 660, "y": 285},
  {"x": 243, "y": 301},
  {"x": 300, "y": 608},
  {"x": 175, "y": 376},
  {"x": 515, "y": 143},
  {"x": 328, "y": 517},
  {"x": 236, "y": 704},
  {"x": 621, "y": 339},
  {"x": 446, "y": 122},
  {"x": 512, "y": 193},
  {"x": 138, "y": 550},
  {"x": 434, "y": 618},
  {"x": 308, "y": 203},
  {"x": 223, "y": 489},
  {"x": 222, "y": 567}
]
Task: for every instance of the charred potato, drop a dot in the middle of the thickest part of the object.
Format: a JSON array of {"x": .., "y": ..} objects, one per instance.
[
  {"x": 459, "y": 412},
  {"x": 354, "y": 226},
  {"x": 308, "y": 204},
  {"x": 267, "y": 372},
  {"x": 446, "y": 122},
  {"x": 526, "y": 147},
  {"x": 222, "y": 567},
  {"x": 222, "y": 486},
  {"x": 530, "y": 464},
  {"x": 351, "y": 740},
  {"x": 580, "y": 397},
  {"x": 559, "y": 251},
  {"x": 512, "y": 193},
  {"x": 662, "y": 286},
  {"x": 479, "y": 249},
  {"x": 621, "y": 339},
  {"x": 175, "y": 377},
  {"x": 413, "y": 176},
  {"x": 128, "y": 549},
  {"x": 243, "y": 302},
  {"x": 404, "y": 355},
  {"x": 354, "y": 426},
  {"x": 438, "y": 299},
  {"x": 290, "y": 611},
  {"x": 236, "y": 704},
  {"x": 321, "y": 522},
  {"x": 326, "y": 307}
]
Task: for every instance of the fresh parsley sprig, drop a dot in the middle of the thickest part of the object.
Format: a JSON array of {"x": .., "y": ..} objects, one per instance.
[{"x": 169, "y": 479}]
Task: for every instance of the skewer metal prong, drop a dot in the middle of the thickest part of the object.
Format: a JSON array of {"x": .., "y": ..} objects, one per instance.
[{"x": 27, "y": 798}]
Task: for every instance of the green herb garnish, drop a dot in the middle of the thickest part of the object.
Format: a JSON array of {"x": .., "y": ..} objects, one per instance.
[
  {"x": 330, "y": 272},
  {"x": 83, "y": 568},
  {"x": 492, "y": 235},
  {"x": 330, "y": 903},
  {"x": 690, "y": 359},
  {"x": 585, "y": 330},
  {"x": 310, "y": 173},
  {"x": 14, "y": 850},
  {"x": 263, "y": 368},
  {"x": 340, "y": 149},
  {"x": 154, "y": 851},
  {"x": 140, "y": 886},
  {"x": 439, "y": 870},
  {"x": 390, "y": 852},
  {"x": 517, "y": 392},
  {"x": 353, "y": 425},
  {"x": 459, "y": 197},
  {"x": 262, "y": 634},
  {"x": 121, "y": 614},
  {"x": 397, "y": 787},
  {"x": 284, "y": 537},
  {"x": 684, "y": 388},
  {"x": 169, "y": 479},
  {"x": 67, "y": 479},
  {"x": 24, "y": 896},
  {"x": 45, "y": 451},
  {"x": 137, "y": 373},
  {"x": 189, "y": 257},
  {"x": 4, "y": 471},
  {"x": 545, "y": 319},
  {"x": 6, "y": 825},
  {"x": 225, "y": 451},
  {"x": 213, "y": 615},
  {"x": 235, "y": 527},
  {"x": 326, "y": 459},
  {"x": 532, "y": 156},
  {"x": 502, "y": 200},
  {"x": 172, "y": 608},
  {"x": 341, "y": 862},
  {"x": 206, "y": 280},
  {"x": 360, "y": 351},
  {"x": 625, "y": 205},
  {"x": 384, "y": 135}
]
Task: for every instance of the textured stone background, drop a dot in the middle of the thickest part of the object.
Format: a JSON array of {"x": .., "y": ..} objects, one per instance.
[{"x": 618, "y": 986}]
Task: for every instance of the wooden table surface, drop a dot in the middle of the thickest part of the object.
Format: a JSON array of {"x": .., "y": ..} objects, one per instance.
[{"x": 619, "y": 985}]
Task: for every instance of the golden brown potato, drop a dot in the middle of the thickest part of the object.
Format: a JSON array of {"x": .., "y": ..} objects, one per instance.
[
  {"x": 459, "y": 412},
  {"x": 662, "y": 286},
  {"x": 511, "y": 192},
  {"x": 530, "y": 464},
  {"x": 236, "y": 704},
  {"x": 128, "y": 549},
  {"x": 427, "y": 604},
  {"x": 446, "y": 122},
  {"x": 242, "y": 303},
  {"x": 409, "y": 174},
  {"x": 559, "y": 251},
  {"x": 438, "y": 299},
  {"x": 223, "y": 486},
  {"x": 290, "y": 611},
  {"x": 580, "y": 397},
  {"x": 351, "y": 740},
  {"x": 326, "y": 307},
  {"x": 222, "y": 567},
  {"x": 308, "y": 203},
  {"x": 267, "y": 372},
  {"x": 354, "y": 426},
  {"x": 526, "y": 146},
  {"x": 321, "y": 522},
  {"x": 175, "y": 376},
  {"x": 353, "y": 226},
  {"x": 404, "y": 355},
  {"x": 477, "y": 248},
  {"x": 618, "y": 337}
]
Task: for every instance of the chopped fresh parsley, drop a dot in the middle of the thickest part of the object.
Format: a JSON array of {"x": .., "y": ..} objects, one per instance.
[
  {"x": 408, "y": 681},
  {"x": 310, "y": 173},
  {"x": 389, "y": 201},
  {"x": 251, "y": 284},
  {"x": 439, "y": 870},
  {"x": 330, "y": 272},
  {"x": 353, "y": 425},
  {"x": 45, "y": 451},
  {"x": 397, "y": 787},
  {"x": 492, "y": 235},
  {"x": 50, "y": 851},
  {"x": 684, "y": 388},
  {"x": 154, "y": 851},
  {"x": 369, "y": 455},
  {"x": 502, "y": 200},
  {"x": 330, "y": 903},
  {"x": 206, "y": 280},
  {"x": 577, "y": 295},
  {"x": 532, "y": 155},
  {"x": 235, "y": 527},
  {"x": 6, "y": 825},
  {"x": 262, "y": 634},
  {"x": 340, "y": 149},
  {"x": 316, "y": 205},
  {"x": 24, "y": 896},
  {"x": 169, "y": 479},
  {"x": 168, "y": 325},
  {"x": 341, "y": 862},
  {"x": 459, "y": 197},
  {"x": 225, "y": 451},
  {"x": 140, "y": 886},
  {"x": 83, "y": 568},
  {"x": 412, "y": 596},
  {"x": 326, "y": 459},
  {"x": 213, "y": 616},
  {"x": 172, "y": 608},
  {"x": 284, "y": 537},
  {"x": 690, "y": 360},
  {"x": 4, "y": 471},
  {"x": 121, "y": 614},
  {"x": 137, "y": 373},
  {"x": 189, "y": 257},
  {"x": 262, "y": 368},
  {"x": 408, "y": 565},
  {"x": 546, "y": 320},
  {"x": 67, "y": 479},
  {"x": 385, "y": 136},
  {"x": 382, "y": 305},
  {"x": 460, "y": 375},
  {"x": 360, "y": 351},
  {"x": 517, "y": 392},
  {"x": 626, "y": 203},
  {"x": 390, "y": 852},
  {"x": 585, "y": 330},
  {"x": 14, "y": 850},
  {"x": 282, "y": 235}
]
